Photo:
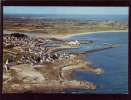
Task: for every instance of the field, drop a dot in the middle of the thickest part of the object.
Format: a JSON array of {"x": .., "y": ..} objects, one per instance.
[{"x": 61, "y": 26}]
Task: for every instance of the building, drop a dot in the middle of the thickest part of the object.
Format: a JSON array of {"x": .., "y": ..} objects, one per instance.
[{"x": 74, "y": 43}]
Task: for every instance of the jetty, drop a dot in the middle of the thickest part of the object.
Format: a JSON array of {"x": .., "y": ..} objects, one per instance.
[{"x": 97, "y": 49}]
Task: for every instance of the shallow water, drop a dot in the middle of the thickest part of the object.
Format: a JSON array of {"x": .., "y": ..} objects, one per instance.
[{"x": 114, "y": 62}]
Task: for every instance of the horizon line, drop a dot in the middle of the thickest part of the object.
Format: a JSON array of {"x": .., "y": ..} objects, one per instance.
[{"x": 57, "y": 14}]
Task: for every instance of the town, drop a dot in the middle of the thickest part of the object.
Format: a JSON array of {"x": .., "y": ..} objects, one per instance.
[{"x": 34, "y": 51}]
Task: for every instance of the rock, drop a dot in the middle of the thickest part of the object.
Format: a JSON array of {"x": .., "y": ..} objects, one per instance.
[
  {"x": 50, "y": 86},
  {"x": 99, "y": 71}
]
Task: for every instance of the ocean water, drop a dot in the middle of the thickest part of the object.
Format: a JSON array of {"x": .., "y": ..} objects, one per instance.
[
  {"x": 114, "y": 61},
  {"x": 120, "y": 18},
  {"x": 84, "y": 17}
]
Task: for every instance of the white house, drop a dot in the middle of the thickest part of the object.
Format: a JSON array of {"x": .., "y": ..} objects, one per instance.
[{"x": 74, "y": 43}]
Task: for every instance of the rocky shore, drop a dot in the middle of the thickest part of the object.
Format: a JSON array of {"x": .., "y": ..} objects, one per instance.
[
  {"x": 45, "y": 78},
  {"x": 48, "y": 78},
  {"x": 51, "y": 86}
]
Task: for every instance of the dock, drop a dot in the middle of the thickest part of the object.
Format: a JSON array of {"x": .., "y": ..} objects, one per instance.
[{"x": 97, "y": 49}]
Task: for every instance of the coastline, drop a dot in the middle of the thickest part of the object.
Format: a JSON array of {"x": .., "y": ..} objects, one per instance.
[
  {"x": 63, "y": 36},
  {"x": 77, "y": 34}
]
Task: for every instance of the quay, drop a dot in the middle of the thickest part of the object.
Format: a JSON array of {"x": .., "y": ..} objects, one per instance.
[{"x": 97, "y": 49}]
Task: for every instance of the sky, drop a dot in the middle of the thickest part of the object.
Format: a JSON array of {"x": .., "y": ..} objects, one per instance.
[{"x": 65, "y": 10}]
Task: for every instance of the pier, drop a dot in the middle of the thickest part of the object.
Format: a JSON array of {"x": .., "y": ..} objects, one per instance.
[{"x": 97, "y": 49}]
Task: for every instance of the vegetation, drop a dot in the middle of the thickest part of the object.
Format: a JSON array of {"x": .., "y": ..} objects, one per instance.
[{"x": 62, "y": 27}]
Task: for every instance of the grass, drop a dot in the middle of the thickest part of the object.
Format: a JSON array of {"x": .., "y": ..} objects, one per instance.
[{"x": 63, "y": 28}]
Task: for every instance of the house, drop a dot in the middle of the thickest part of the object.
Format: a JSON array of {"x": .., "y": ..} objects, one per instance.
[{"x": 74, "y": 43}]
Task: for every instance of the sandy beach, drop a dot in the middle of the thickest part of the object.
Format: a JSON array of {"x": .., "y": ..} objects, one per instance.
[
  {"x": 76, "y": 34},
  {"x": 62, "y": 36}
]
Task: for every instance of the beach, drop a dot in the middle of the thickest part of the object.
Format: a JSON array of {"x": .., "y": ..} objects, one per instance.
[
  {"x": 77, "y": 34},
  {"x": 62, "y": 36}
]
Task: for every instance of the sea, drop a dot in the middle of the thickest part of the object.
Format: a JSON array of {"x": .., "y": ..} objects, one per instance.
[
  {"x": 120, "y": 18},
  {"x": 113, "y": 61}
]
